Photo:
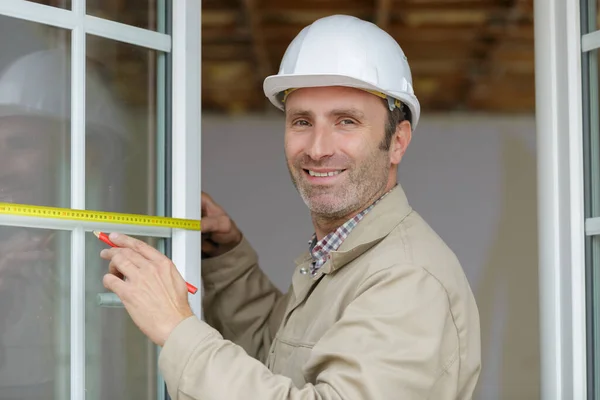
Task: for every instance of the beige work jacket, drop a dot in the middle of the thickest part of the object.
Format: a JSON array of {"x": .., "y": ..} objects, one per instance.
[{"x": 389, "y": 316}]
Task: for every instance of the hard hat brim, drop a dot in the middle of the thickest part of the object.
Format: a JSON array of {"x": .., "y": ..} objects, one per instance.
[{"x": 275, "y": 84}]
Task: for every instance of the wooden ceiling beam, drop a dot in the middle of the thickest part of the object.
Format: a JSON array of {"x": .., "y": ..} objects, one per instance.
[
  {"x": 225, "y": 34},
  {"x": 259, "y": 44},
  {"x": 407, "y": 6},
  {"x": 209, "y": 5},
  {"x": 306, "y": 16},
  {"x": 482, "y": 64},
  {"x": 227, "y": 52},
  {"x": 219, "y": 17},
  {"x": 442, "y": 39},
  {"x": 382, "y": 13},
  {"x": 284, "y": 32}
]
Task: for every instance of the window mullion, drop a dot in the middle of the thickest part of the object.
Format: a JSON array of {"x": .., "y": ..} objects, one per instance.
[
  {"x": 78, "y": 73},
  {"x": 127, "y": 34},
  {"x": 560, "y": 199},
  {"x": 43, "y": 14},
  {"x": 185, "y": 148}
]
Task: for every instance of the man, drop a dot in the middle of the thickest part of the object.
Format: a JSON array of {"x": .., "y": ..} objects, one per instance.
[{"x": 378, "y": 308}]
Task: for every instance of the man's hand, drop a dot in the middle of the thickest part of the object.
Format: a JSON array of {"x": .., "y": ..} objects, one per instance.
[
  {"x": 154, "y": 293},
  {"x": 219, "y": 232}
]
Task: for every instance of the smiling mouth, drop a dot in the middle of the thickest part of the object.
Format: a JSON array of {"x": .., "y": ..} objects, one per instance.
[{"x": 323, "y": 174}]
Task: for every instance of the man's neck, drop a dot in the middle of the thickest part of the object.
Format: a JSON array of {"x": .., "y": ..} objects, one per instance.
[{"x": 325, "y": 224}]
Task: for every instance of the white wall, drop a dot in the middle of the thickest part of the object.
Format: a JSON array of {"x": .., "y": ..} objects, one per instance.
[{"x": 472, "y": 178}]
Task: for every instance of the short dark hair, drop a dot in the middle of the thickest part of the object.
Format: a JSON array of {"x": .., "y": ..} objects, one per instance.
[{"x": 395, "y": 116}]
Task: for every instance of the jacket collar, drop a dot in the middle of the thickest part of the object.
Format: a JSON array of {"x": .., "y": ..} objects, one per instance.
[{"x": 375, "y": 226}]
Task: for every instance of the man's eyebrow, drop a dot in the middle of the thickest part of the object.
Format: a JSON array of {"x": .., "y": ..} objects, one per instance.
[
  {"x": 295, "y": 113},
  {"x": 338, "y": 112},
  {"x": 350, "y": 112}
]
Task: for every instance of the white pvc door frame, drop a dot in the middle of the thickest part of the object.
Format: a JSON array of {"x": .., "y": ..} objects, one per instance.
[
  {"x": 559, "y": 124},
  {"x": 184, "y": 44}
]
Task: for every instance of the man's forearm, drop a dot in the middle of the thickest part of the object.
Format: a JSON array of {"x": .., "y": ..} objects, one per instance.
[{"x": 240, "y": 301}]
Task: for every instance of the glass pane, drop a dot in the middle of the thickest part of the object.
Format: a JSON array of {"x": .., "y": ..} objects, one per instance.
[
  {"x": 34, "y": 314},
  {"x": 594, "y": 265},
  {"x": 123, "y": 126},
  {"x": 54, "y": 3},
  {"x": 592, "y": 141},
  {"x": 146, "y": 14},
  {"x": 34, "y": 113},
  {"x": 592, "y": 16},
  {"x": 589, "y": 17},
  {"x": 121, "y": 363}
]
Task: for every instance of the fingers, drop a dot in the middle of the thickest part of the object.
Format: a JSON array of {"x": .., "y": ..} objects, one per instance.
[
  {"x": 219, "y": 224},
  {"x": 208, "y": 246},
  {"x": 124, "y": 262},
  {"x": 125, "y": 241},
  {"x": 209, "y": 206},
  {"x": 122, "y": 267},
  {"x": 114, "y": 284}
]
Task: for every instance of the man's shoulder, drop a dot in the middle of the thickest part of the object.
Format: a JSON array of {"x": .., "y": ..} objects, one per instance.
[{"x": 414, "y": 246}]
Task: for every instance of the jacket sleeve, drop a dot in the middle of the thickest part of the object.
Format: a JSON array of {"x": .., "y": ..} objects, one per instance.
[
  {"x": 396, "y": 340},
  {"x": 240, "y": 301}
]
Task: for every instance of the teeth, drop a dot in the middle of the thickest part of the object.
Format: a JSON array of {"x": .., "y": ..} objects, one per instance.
[{"x": 313, "y": 173}]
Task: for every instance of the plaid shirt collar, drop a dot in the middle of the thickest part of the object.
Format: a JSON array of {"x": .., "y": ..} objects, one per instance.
[{"x": 320, "y": 250}]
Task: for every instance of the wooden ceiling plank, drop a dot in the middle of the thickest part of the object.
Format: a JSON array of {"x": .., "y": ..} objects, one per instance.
[
  {"x": 482, "y": 64},
  {"x": 285, "y": 32},
  {"x": 259, "y": 43},
  {"x": 407, "y": 6},
  {"x": 382, "y": 13},
  {"x": 219, "y": 17},
  {"x": 225, "y": 34},
  {"x": 495, "y": 40}
]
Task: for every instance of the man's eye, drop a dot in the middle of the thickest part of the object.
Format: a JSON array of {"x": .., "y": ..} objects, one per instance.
[
  {"x": 301, "y": 122},
  {"x": 347, "y": 121}
]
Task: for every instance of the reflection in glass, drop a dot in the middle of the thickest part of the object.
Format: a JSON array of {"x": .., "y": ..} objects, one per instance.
[
  {"x": 34, "y": 314},
  {"x": 54, "y": 3},
  {"x": 593, "y": 139},
  {"x": 120, "y": 360},
  {"x": 122, "y": 128},
  {"x": 34, "y": 114},
  {"x": 592, "y": 205},
  {"x": 146, "y": 14}
]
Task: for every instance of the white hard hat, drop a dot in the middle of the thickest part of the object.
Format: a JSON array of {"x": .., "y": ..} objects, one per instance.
[
  {"x": 342, "y": 50},
  {"x": 38, "y": 84}
]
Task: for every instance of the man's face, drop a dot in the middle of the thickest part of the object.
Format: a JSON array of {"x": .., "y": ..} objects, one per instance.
[
  {"x": 28, "y": 156},
  {"x": 333, "y": 149}
]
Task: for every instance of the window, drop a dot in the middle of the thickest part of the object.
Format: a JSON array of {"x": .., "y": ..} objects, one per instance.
[
  {"x": 99, "y": 110},
  {"x": 591, "y": 152},
  {"x": 560, "y": 104},
  {"x": 568, "y": 124}
]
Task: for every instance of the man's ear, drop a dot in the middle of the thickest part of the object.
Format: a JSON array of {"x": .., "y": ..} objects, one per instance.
[{"x": 400, "y": 141}]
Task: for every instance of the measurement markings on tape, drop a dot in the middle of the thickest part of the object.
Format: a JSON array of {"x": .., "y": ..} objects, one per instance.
[{"x": 97, "y": 216}]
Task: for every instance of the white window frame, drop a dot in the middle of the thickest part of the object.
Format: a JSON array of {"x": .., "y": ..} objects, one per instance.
[
  {"x": 561, "y": 212},
  {"x": 184, "y": 44}
]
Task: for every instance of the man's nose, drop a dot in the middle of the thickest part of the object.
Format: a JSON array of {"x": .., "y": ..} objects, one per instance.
[{"x": 322, "y": 143}]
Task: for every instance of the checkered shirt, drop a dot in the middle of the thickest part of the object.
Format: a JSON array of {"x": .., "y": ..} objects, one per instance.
[{"x": 320, "y": 250}]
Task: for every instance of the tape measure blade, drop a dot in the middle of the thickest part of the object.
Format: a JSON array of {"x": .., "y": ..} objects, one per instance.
[{"x": 29, "y": 210}]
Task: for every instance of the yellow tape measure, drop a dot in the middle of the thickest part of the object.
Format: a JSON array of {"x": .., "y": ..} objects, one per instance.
[{"x": 97, "y": 216}]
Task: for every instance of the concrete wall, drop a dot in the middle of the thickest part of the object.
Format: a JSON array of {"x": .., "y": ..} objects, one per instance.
[{"x": 473, "y": 179}]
